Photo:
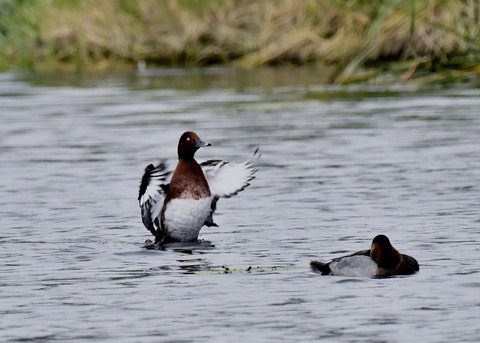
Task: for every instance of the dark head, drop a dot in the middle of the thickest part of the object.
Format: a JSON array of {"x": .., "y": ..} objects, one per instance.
[
  {"x": 189, "y": 143},
  {"x": 383, "y": 253}
]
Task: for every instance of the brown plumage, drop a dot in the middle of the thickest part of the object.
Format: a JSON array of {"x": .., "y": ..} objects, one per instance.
[
  {"x": 387, "y": 259},
  {"x": 176, "y": 211},
  {"x": 188, "y": 171}
]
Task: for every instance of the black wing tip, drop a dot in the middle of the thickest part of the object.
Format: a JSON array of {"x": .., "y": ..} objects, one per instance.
[
  {"x": 161, "y": 165},
  {"x": 256, "y": 154},
  {"x": 146, "y": 218},
  {"x": 144, "y": 181},
  {"x": 238, "y": 190},
  {"x": 252, "y": 162},
  {"x": 212, "y": 162},
  {"x": 210, "y": 224},
  {"x": 147, "y": 175}
]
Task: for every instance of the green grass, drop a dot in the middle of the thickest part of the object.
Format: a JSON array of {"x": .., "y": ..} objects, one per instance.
[{"x": 354, "y": 35}]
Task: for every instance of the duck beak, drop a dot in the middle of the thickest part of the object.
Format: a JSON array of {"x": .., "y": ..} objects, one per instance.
[{"x": 199, "y": 143}]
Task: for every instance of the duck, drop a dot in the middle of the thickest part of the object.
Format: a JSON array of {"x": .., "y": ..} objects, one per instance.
[
  {"x": 174, "y": 207},
  {"x": 382, "y": 259}
]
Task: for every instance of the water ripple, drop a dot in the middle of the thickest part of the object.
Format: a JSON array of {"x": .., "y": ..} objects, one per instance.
[{"x": 338, "y": 167}]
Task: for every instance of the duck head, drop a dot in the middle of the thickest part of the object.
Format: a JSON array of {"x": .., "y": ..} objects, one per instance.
[
  {"x": 188, "y": 144},
  {"x": 383, "y": 253}
]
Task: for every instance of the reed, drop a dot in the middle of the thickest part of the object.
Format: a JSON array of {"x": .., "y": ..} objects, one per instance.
[{"x": 51, "y": 34}]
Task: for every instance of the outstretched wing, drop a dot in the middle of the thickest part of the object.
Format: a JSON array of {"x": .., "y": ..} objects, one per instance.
[
  {"x": 151, "y": 195},
  {"x": 226, "y": 179}
]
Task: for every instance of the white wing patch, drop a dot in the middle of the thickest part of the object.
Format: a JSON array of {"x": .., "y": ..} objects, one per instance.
[
  {"x": 226, "y": 179},
  {"x": 152, "y": 193},
  {"x": 153, "y": 179}
]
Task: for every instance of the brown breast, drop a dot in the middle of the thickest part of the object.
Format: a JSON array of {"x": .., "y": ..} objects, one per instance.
[{"x": 188, "y": 182}]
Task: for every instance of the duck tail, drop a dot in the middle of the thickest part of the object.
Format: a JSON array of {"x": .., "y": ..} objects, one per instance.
[{"x": 320, "y": 267}]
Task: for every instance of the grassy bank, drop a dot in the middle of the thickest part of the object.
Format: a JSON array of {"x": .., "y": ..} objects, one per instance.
[{"x": 53, "y": 34}]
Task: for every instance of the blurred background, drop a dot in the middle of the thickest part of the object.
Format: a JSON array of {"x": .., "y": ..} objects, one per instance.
[{"x": 362, "y": 39}]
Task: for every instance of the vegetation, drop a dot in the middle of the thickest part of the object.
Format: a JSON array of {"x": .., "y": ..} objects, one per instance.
[{"x": 352, "y": 34}]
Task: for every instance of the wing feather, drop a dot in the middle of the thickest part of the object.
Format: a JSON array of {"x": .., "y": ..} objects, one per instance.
[
  {"x": 152, "y": 193},
  {"x": 226, "y": 179}
]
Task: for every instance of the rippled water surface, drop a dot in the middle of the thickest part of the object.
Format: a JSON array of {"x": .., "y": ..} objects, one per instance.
[{"x": 338, "y": 166}]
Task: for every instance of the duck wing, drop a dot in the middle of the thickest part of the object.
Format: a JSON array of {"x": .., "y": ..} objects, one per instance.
[
  {"x": 350, "y": 265},
  {"x": 152, "y": 194},
  {"x": 407, "y": 266},
  {"x": 226, "y": 179}
]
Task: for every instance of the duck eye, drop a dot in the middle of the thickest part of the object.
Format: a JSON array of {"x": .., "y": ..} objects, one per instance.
[{"x": 188, "y": 139}]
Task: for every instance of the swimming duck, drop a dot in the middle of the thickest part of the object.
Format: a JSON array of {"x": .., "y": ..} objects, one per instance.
[
  {"x": 176, "y": 211},
  {"x": 382, "y": 259}
]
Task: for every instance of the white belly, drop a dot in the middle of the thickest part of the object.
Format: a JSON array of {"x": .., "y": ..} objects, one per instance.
[{"x": 184, "y": 218}]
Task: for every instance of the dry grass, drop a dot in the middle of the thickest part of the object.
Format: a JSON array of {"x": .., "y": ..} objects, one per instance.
[{"x": 48, "y": 33}]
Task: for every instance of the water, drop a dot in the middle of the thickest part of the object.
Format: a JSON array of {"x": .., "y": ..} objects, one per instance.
[{"x": 338, "y": 166}]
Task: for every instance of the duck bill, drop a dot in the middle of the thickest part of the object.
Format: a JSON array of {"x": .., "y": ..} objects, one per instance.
[{"x": 199, "y": 143}]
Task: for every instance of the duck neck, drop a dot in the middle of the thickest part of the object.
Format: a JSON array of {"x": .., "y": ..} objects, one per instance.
[
  {"x": 385, "y": 258},
  {"x": 187, "y": 154}
]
